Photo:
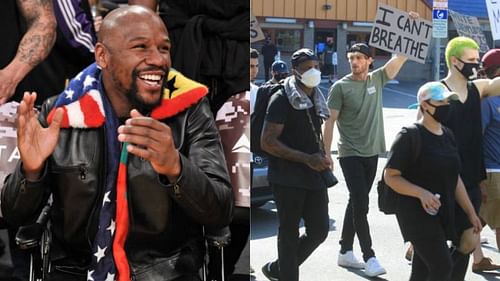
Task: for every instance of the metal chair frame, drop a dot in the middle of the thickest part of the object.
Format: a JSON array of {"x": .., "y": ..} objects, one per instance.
[{"x": 36, "y": 239}]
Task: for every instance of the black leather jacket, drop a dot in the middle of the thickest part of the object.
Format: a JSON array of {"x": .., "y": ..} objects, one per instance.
[{"x": 164, "y": 217}]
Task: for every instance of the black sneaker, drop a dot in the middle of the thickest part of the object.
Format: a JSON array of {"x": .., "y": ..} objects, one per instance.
[{"x": 267, "y": 270}]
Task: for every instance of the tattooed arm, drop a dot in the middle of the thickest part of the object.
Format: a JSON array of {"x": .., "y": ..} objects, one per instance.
[
  {"x": 271, "y": 144},
  {"x": 34, "y": 46}
]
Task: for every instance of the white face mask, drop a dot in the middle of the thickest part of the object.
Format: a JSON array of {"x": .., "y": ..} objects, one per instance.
[{"x": 311, "y": 78}]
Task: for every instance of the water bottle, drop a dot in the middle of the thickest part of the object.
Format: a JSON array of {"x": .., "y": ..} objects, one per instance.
[
  {"x": 432, "y": 211},
  {"x": 93, "y": 11}
]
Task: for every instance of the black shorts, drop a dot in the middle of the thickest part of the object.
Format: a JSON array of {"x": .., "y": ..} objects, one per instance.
[{"x": 462, "y": 222}]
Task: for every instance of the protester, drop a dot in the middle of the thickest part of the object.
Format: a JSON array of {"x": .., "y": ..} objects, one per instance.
[
  {"x": 490, "y": 204},
  {"x": 292, "y": 136},
  {"x": 491, "y": 122},
  {"x": 131, "y": 133},
  {"x": 462, "y": 58},
  {"x": 429, "y": 186},
  {"x": 269, "y": 51},
  {"x": 355, "y": 103},
  {"x": 279, "y": 70},
  {"x": 330, "y": 60},
  {"x": 254, "y": 69}
]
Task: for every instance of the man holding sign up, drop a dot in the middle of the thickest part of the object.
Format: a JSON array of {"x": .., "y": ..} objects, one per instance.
[{"x": 355, "y": 103}]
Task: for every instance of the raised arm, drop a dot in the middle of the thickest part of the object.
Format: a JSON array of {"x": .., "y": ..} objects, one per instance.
[
  {"x": 34, "y": 46},
  {"x": 24, "y": 190},
  {"x": 393, "y": 66},
  {"x": 146, "y": 3},
  {"x": 488, "y": 87}
]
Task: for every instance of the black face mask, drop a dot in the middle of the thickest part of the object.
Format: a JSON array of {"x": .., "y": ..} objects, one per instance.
[
  {"x": 441, "y": 113},
  {"x": 469, "y": 70}
]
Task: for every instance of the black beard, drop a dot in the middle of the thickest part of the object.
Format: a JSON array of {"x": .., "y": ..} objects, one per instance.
[{"x": 136, "y": 101}]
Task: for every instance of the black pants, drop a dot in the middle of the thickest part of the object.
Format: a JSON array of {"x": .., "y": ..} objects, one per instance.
[
  {"x": 359, "y": 173},
  {"x": 431, "y": 260},
  {"x": 294, "y": 204},
  {"x": 267, "y": 68}
]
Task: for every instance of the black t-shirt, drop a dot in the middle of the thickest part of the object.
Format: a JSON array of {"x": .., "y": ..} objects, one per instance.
[
  {"x": 436, "y": 169},
  {"x": 269, "y": 51},
  {"x": 327, "y": 59},
  {"x": 465, "y": 122},
  {"x": 297, "y": 134}
]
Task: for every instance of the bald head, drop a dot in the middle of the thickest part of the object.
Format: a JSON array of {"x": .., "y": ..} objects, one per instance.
[
  {"x": 124, "y": 17},
  {"x": 133, "y": 52}
]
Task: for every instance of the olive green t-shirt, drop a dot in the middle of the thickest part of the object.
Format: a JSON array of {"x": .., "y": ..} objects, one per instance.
[{"x": 360, "y": 122}]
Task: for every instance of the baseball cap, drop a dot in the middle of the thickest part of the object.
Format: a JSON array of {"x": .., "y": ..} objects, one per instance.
[
  {"x": 302, "y": 55},
  {"x": 279, "y": 66},
  {"x": 361, "y": 48},
  {"x": 491, "y": 58},
  {"x": 433, "y": 91}
]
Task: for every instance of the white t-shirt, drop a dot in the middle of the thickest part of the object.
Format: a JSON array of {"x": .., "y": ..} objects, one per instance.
[{"x": 253, "y": 96}]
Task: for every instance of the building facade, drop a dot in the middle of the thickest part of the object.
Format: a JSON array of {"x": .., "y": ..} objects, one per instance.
[{"x": 294, "y": 24}]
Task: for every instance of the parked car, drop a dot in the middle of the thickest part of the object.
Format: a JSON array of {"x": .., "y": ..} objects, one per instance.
[{"x": 260, "y": 189}]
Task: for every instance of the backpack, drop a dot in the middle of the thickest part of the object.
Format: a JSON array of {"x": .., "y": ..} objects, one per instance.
[
  {"x": 388, "y": 199},
  {"x": 258, "y": 116}
]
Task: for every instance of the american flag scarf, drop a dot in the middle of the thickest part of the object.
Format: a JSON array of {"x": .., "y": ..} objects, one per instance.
[{"x": 84, "y": 107}]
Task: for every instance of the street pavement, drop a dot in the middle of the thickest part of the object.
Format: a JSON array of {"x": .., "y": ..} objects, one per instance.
[{"x": 387, "y": 240}]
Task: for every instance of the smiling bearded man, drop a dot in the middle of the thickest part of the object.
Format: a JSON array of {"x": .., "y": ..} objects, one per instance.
[{"x": 130, "y": 193}]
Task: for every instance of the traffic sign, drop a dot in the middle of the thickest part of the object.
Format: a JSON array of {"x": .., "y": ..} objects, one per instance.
[
  {"x": 440, "y": 14},
  {"x": 439, "y": 28},
  {"x": 440, "y": 18}
]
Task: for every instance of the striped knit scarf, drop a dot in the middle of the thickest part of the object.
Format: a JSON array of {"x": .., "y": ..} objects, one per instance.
[{"x": 83, "y": 107}]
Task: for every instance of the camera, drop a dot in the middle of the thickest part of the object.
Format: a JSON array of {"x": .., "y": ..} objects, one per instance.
[{"x": 328, "y": 178}]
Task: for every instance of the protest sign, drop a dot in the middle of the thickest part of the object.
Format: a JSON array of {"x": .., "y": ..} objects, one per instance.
[
  {"x": 468, "y": 26},
  {"x": 256, "y": 33},
  {"x": 394, "y": 31},
  {"x": 494, "y": 16}
]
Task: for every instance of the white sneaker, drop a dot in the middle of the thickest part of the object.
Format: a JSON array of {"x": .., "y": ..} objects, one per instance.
[
  {"x": 373, "y": 268},
  {"x": 349, "y": 260}
]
